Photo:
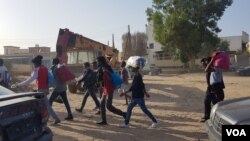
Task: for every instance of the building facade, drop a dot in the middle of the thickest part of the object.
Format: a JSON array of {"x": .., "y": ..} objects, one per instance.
[
  {"x": 20, "y": 59},
  {"x": 39, "y": 49},
  {"x": 237, "y": 43},
  {"x": 11, "y": 50}
]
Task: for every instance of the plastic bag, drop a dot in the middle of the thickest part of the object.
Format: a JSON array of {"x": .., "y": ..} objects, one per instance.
[{"x": 136, "y": 61}]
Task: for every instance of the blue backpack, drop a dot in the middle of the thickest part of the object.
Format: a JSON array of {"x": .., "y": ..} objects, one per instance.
[
  {"x": 51, "y": 79},
  {"x": 116, "y": 80}
]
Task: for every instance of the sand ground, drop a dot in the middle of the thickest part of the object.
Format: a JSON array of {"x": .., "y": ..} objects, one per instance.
[{"x": 176, "y": 101}]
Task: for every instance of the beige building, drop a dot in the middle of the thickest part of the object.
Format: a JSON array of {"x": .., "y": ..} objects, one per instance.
[
  {"x": 237, "y": 43},
  {"x": 13, "y": 50},
  {"x": 39, "y": 49},
  {"x": 248, "y": 47},
  {"x": 20, "y": 59}
]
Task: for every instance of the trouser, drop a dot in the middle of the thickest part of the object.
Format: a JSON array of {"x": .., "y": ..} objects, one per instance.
[
  {"x": 109, "y": 106},
  {"x": 63, "y": 95},
  {"x": 90, "y": 91},
  {"x": 141, "y": 103},
  {"x": 217, "y": 91},
  {"x": 212, "y": 96},
  {"x": 49, "y": 108},
  {"x": 209, "y": 98}
]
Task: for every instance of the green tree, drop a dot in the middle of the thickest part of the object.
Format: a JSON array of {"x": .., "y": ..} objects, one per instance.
[
  {"x": 189, "y": 26},
  {"x": 223, "y": 45}
]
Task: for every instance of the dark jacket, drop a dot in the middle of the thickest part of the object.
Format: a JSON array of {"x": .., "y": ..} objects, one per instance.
[
  {"x": 137, "y": 87},
  {"x": 89, "y": 78}
]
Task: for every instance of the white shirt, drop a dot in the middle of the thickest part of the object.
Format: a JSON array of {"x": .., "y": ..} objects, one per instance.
[
  {"x": 216, "y": 76},
  {"x": 33, "y": 76}
]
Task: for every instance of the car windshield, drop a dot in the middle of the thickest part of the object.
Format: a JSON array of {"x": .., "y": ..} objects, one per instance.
[{"x": 4, "y": 91}]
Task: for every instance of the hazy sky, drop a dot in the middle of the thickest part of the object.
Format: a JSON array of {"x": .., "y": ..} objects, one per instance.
[{"x": 25, "y": 23}]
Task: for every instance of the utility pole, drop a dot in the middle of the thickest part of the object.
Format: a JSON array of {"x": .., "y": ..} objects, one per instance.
[
  {"x": 128, "y": 45},
  {"x": 113, "y": 43}
]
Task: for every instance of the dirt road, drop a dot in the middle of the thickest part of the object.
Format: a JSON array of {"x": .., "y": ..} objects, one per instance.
[{"x": 176, "y": 101}]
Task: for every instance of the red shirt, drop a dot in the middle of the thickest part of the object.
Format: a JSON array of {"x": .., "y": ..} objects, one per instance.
[
  {"x": 42, "y": 79},
  {"x": 108, "y": 86}
]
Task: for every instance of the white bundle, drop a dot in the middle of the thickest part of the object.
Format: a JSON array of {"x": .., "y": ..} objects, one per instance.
[{"x": 136, "y": 61}]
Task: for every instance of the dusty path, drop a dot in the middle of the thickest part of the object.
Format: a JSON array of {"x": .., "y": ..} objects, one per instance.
[{"x": 176, "y": 101}]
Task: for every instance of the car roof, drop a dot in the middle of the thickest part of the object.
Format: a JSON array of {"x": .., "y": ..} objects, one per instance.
[{"x": 4, "y": 91}]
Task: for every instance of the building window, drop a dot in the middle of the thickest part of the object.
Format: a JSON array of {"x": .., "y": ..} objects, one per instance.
[
  {"x": 83, "y": 57},
  {"x": 151, "y": 45},
  {"x": 72, "y": 57}
]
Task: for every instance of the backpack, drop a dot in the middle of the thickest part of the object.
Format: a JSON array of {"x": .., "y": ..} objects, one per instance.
[
  {"x": 116, "y": 80},
  {"x": 64, "y": 74},
  {"x": 51, "y": 79}
]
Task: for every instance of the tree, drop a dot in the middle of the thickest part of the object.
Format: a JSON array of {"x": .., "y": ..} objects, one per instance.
[
  {"x": 223, "y": 45},
  {"x": 189, "y": 26},
  {"x": 137, "y": 45}
]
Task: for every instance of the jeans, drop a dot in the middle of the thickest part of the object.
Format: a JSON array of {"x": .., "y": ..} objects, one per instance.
[
  {"x": 63, "y": 94},
  {"x": 110, "y": 107},
  {"x": 49, "y": 108},
  {"x": 90, "y": 91},
  {"x": 141, "y": 103}
]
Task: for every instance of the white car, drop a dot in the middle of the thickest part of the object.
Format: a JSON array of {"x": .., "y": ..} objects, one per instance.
[{"x": 228, "y": 112}]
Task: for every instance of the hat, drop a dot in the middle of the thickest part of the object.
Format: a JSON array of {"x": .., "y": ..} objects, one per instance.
[
  {"x": 55, "y": 61},
  {"x": 101, "y": 59},
  {"x": 37, "y": 59}
]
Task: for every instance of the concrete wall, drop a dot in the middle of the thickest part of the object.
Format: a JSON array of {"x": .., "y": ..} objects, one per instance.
[
  {"x": 168, "y": 63},
  {"x": 242, "y": 60},
  {"x": 21, "y": 68}
]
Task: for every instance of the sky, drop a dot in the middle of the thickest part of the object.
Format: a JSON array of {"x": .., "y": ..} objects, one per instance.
[{"x": 24, "y": 23}]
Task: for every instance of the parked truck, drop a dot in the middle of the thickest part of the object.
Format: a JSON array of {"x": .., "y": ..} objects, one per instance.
[{"x": 74, "y": 49}]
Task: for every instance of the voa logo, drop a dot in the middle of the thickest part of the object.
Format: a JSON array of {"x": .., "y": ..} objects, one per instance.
[{"x": 236, "y": 132}]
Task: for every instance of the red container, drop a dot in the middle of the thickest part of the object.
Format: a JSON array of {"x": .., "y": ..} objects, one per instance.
[{"x": 221, "y": 60}]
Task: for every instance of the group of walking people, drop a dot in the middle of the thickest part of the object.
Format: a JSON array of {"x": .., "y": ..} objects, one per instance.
[
  {"x": 104, "y": 84},
  {"x": 96, "y": 79}
]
